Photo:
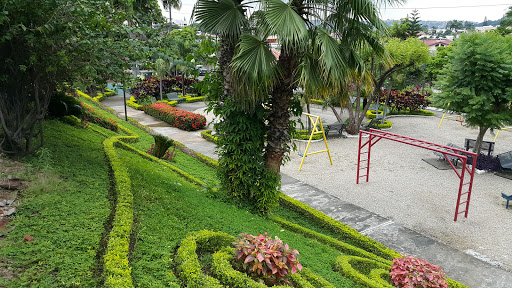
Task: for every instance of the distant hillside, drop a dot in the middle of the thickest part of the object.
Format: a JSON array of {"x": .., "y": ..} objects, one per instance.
[{"x": 442, "y": 24}]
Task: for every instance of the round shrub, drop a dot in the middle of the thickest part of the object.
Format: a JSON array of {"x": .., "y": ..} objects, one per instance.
[
  {"x": 410, "y": 272},
  {"x": 265, "y": 257}
]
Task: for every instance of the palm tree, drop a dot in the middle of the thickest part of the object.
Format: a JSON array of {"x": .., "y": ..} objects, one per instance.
[
  {"x": 319, "y": 39},
  {"x": 171, "y": 4}
]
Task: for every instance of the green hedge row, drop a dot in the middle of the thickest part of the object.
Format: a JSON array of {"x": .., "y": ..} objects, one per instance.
[
  {"x": 117, "y": 270},
  {"x": 340, "y": 228},
  {"x": 366, "y": 272},
  {"x": 207, "y": 134},
  {"x": 99, "y": 96},
  {"x": 194, "y": 99},
  {"x": 188, "y": 267}
]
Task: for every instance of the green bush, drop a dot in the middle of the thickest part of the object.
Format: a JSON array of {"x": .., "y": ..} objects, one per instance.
[
  {"x": 365, "y": 271},
  {"x": 194, "y": 99},
  {"x": 207, "y": 134}
]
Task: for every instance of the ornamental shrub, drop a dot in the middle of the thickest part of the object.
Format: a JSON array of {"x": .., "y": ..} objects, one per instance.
[
  {"x": 178, "y": 118},
  {"x": 150, "y": 87},
  {"x": 411, "y": 100},
  {"x": 266, "y": 258},
  {"x": 414, "y": 272}
]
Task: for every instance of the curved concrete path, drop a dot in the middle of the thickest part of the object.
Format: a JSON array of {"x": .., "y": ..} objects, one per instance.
[{"x": 467, "y": 269}]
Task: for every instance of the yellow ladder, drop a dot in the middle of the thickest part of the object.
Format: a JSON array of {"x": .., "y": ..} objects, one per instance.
[{"x": 315, "y": 131}]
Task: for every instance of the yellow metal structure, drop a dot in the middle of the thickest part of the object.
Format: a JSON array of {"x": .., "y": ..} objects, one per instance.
[
  {"x": 317, "y": 122},
  {"x": 446, "y": 117},
  {"x": 498, "y": 133}
]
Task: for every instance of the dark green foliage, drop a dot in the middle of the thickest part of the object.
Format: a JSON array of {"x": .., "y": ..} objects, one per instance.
[
  {"x": 477, "y": 80},
  {"x": 241, "y": 137},
  {"x": 162, "y": 143},
  {"x": 62, "y": 104}
]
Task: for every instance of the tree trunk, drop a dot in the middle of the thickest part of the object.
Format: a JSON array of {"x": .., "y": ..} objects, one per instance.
[
  {"x": 480, "y": 138},
  {"x": 338, "y": 117},
  {"x": 278, "y": 134}
]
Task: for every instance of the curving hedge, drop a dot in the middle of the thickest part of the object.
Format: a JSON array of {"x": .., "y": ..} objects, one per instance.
[
  {"x": 340, "y": 228},
  {"x": 207, "y": 134},
  {"x": 194, "y": 99},
  {"x": 366, "y": 272}
]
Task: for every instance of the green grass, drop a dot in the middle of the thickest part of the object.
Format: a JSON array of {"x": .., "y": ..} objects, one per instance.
[
  {"x": 167, "y": 208},
  {"x": 64, "y": 210}
]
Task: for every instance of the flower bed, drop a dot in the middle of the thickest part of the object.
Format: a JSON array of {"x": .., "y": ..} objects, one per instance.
[
  {"x": 90, "y": 115},
  {"x": 178, "y": 118}
]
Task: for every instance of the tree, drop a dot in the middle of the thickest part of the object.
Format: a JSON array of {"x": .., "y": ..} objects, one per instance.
[
  {"x": 477, "y": 82},
  {"x": 80, "y": 43},
  {"x": 469, "y": 25},
  {"x": 171, "y": 4},
  {"x": 400, "y": 30},
  {"x": 254, "y": 77},
  {"x": 414, "y": 24},
  {"x": 403, "y": 54},
  {"x": 454, "y": 25},
  {"x": 438, "y": 62},
  {"x": 506, "y": 23}
]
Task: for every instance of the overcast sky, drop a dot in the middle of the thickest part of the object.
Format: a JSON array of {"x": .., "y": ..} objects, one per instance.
[{"x": 442, "y": 10}]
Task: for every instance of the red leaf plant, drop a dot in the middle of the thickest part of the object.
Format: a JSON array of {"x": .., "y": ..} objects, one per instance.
[
  {"x": 265, "y": 258},
  {"x": 412, "y": 272}
]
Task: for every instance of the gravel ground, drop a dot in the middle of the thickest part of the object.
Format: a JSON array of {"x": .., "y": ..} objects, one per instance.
[{"x": 413, "y": 193}]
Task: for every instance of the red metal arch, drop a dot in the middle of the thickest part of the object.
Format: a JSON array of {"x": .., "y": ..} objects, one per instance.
[{"x": 462, "y": 155}]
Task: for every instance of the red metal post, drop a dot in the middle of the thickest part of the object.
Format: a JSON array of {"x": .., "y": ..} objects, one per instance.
[
  {"x": 461, "y": 184},
  {"x": 358, "y": 158}
]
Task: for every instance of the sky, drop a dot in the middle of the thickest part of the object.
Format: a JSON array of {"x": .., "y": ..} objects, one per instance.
[{"x": 437, "y": 10}]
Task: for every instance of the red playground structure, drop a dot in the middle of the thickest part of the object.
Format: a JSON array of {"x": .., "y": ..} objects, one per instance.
[{"x": 454, "y": 153}]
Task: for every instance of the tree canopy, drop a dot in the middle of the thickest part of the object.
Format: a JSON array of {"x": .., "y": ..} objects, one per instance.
[{"x": 477, "y": 80}]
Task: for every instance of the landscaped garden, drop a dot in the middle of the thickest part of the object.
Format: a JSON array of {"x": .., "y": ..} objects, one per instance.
[{"x": 150, "y": 223}]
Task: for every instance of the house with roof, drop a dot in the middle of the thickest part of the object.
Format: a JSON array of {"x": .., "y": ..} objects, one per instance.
[{"x": 434, "y": 43}]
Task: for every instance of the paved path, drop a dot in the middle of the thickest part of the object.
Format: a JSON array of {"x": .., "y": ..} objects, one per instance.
[{"x": 460, "y": 266}]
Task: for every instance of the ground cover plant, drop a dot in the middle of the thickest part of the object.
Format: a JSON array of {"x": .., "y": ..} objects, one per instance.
[{"x": 180, "y": 232}]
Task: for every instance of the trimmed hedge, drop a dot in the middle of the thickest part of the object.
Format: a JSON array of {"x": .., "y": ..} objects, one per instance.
[
  {"x": 188, "y": 267},
  {"x": 385, "y": 125},
  {"x": 90, "y": 115},
  {"x": 371, "y": 274},
  {"x": 178, "y": 118},
  {"x": 194, "y": 99},
  {"x": 207, "y": 134},
  {"x": 132, "y": 103},
  {"x": 117, "y": 270},
  {"x": 305, "y": 134},
  {"x": 340, "y": 228}
]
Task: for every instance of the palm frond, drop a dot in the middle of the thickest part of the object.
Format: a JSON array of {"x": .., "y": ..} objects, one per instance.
[
  {"x": 225, "y": 18},
  {"x": 254, "y": 70},
  {"x": 284, "y": 21}
]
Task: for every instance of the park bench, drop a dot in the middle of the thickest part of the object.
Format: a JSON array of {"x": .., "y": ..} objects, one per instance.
[
  {"x": 487, "y": 146},
  {"x": 338, "y": 126},
  {"x": 506, "y": 160},
  {"x": 506, "y": 197},
  {"x": 452, "y": 158},
  {"x": 173, "y": 96}
]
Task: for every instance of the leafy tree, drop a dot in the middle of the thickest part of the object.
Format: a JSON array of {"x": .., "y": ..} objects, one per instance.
[
  {"x": 438, "y": 62},
  {"x": 402, "y": 54},
  {"x": 454, "y": 25},
  {"x": 477, "y": 82},
  {"x": 82, "y": 42},
  {"x": 253, "y": 77},
  {"x": 468, "y": 25},
  {"x": 506, "y": 23},
  {"x": 171, "y": 4},
  {"x": 400, "y": 30}
]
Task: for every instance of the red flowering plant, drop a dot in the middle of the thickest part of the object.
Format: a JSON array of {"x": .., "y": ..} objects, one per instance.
[
  {"x": 266, "y": 259},
  {"x": 168, "y": 155},
  {"x": 178, "y": 118},
  {"x": 412, "y": 100},
  {"x": 412, "y": 272},
  {"x": 89, "y": 114},
  {"x": 150, "y": 87}
]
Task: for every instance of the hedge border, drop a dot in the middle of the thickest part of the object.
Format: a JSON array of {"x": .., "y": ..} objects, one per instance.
[
  {"x": 207, "y": 134},
  {"x": 340, "y": 228},
  {"x": 188, "y": 267},
  {"x": 194, "y": 99},
  {"x": 373, "y": 280}
]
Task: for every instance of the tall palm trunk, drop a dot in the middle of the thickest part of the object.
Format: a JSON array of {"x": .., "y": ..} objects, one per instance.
[{"x": 278, "y": 134}]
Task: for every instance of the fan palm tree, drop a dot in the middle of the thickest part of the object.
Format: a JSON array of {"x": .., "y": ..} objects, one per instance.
[
  {"x": 171, "y": 4},
  {"x": 320, "y": 40}
]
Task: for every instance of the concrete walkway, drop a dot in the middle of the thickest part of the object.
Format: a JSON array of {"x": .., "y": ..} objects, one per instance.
[{"x": 467, "y": 269}]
